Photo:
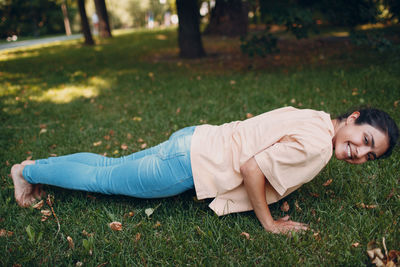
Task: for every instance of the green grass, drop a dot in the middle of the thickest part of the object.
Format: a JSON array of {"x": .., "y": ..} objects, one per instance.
[{"x": 79, "y": 94}]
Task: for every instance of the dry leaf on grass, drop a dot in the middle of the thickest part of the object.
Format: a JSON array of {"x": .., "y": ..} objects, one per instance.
[
  {"x": 70, "y": 242},
  {"x": 38, "y": 205},
  {"x": 124, "y": 147},
  {"x": 328, "y": 182},
  {"x": 4, "y": 232},
  {"x": 157, "y": 224},
  {"x": 46, "y": 213},
  {"x": 391, "y": 259},
  {"x": 137, "y": 237},
  {"x": 85, "y": 233},
  {"x": 356, "y": 244},
  {"x": 296, "y": 204},
  {"x": 97, "y": 143},
  {"x": 149, "y": 212},
  {"x": 365, "y": 206},
  {"x": 285, "y": 207},
  {"x": 246, "y": 235},
  {"x": 116, "y": 226}
]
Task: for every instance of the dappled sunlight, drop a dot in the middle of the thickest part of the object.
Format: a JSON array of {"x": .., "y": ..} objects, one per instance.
[
  {"x": 14, "y": 54},
  {"x": 34, "y": 50},
  {"x": 67, "y": 93}
]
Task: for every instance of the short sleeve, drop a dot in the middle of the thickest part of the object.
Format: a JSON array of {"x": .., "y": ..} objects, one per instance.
[{"x": 289, "y": 164}]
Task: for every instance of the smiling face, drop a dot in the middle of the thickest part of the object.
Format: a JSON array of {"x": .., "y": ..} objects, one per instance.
[{"x": 357, "y": 144}]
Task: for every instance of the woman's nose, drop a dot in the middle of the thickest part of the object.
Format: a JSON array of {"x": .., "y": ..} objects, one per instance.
[{"x": 362, "y": 151}]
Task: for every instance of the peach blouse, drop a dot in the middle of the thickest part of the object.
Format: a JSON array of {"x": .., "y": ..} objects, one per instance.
[{"x": 290, "y": 146}]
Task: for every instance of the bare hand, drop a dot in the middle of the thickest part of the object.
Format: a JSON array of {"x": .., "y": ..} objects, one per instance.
[{"x": 284, "y": 225}]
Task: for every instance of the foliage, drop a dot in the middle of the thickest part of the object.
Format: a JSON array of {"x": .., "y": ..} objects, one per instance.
[
  {"x": 374, "y": 40},
  {"x": 31, "y": 18},
  {"x": 132, "y": 90},
  {"x": 259, "y": 44},
  {"x": 349, "y": 13}
]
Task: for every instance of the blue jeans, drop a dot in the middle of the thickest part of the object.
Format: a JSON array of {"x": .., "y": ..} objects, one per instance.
[{"x": 160, "y": 171}]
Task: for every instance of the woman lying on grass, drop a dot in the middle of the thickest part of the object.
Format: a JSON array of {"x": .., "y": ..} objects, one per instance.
[{"x": 243, "y": 165}]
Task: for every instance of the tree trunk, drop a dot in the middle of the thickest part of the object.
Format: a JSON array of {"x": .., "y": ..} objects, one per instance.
[
  {"x": 228, "y": 17},
  {"x": 104, "y": 24},
  {"x": 66, "y": 19},
  {"x": 85, "y": 23},
  {"x": 189, "y": 39}
]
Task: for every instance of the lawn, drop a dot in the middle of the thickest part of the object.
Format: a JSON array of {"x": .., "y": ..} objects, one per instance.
[{"x": 132, "y": 92}]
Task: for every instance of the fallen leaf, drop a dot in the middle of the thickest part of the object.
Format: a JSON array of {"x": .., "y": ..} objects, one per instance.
[
  {"x": 116, "y": 151},
  {"x": 293, "y": 100},
  {"x": 199, "y": 231},
  {"x": 107, "y": 137},
  {"x": 79, "y": 264},
  {"x": 137, "y": 237},
  {"x": 328, "y": 182},
  {"x": 285, "y": 207},
  {"x": 144, "y": 145},
  {"x": 178, "y": 110},
  {"x": 365, "y": 206},
  {"x": 111, "y": 132},
  {"x": 378, "y": 262},
  {"x": 140, "y": 140},
  {"x": 44, "y": 218},
  {"x": 246, "y": 235},
  {"x": 7, "y": 163},
  {"x": 157, "y": 224},
  {"x": 149, "y": 211},
  {"x": 129, "y": 136},
  {"x": 70, "y": 242},
  {"x": 42, "y": 131},
  {"x": 314, "y": 195},
  {"x": 46, "y": 213},
  {"x": 296, "y": 204},
  {"x": 85, "y": 233},
  {"x": 232, "y": 82},
  {"x": 131, "y": 213},
  {"x": 124, "y": 147},
  {"x": 137, "y": 118},
  {"x": 38, "y": 205},
  {"x": 151, "y": 75},
  {"x": 97, "y": 143},
  {"x": 356, "y": 244},
  {"x": 4, "y": 232},
  {"x": 42, "y": 126},
  {"x": 249, "y": 115},
  {"x": 116, "y": 226},
  {"x": 317, "y": 236},
  {"x": 396, "y": 103}
]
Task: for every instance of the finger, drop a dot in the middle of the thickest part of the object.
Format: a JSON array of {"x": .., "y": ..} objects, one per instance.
[{"x": 286, "y": 218}]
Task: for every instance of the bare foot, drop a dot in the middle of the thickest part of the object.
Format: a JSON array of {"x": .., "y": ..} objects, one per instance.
[
  {"x": 27, "y": 162},
  {"x": 38, "y": 192},
  {"x": 23, "y": 190}
]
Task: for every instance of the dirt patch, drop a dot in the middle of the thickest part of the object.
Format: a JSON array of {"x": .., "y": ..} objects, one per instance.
[{"x": 224, "y": 54}]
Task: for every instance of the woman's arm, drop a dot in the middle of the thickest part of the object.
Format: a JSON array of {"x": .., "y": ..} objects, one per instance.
[{"x": 254, "y": 182}]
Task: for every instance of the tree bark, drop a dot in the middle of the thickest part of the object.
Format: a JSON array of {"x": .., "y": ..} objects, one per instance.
[
  {"x": 189, "y": 39},
  {"x": 104, "y": 24},
  {"x": 228, "y": 17},
  {"x": 84, "y": 23},
  {"x": 66, "y": 18}
]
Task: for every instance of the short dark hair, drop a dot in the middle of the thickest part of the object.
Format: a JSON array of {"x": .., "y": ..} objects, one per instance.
[{"x": 380, "y": 120}]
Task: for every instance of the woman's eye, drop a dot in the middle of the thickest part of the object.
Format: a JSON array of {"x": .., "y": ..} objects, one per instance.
[{"x": 366, "y": 140}]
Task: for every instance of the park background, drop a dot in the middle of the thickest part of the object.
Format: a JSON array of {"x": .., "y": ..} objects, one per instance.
[{"x": 137, "y": 77}]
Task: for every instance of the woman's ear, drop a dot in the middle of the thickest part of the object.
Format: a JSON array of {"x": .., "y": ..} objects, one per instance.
[{"x": 353, "y": 117}]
